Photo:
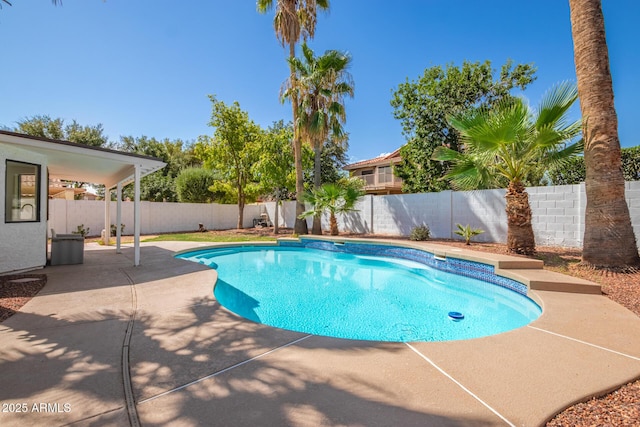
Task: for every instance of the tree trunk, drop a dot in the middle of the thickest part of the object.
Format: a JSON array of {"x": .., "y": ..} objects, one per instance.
[
  {"x": 608, "y": 237},
  {"x": 276, "y": 226},
  {"x": 520, "y": 238},
  {"x": 300, "y": 226},
  {"x": 240, "y": 215},
  {"x": 317, "y": 182},
  {"x": 333, "y": 221}
]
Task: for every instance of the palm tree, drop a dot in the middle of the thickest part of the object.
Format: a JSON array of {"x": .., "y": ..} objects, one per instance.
[
  {"x": 295, "y": 18},
  {"x": 55, "y": 2},
  {"x": 335, "y": 198},
  {"x": 320, "y": 85},
  {"x": 506, "y": 142},
  {"x": 608, "y": 236}
]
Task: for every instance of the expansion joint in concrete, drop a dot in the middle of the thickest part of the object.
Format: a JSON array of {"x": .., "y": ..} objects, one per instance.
[{"x": 132, "y": 412}]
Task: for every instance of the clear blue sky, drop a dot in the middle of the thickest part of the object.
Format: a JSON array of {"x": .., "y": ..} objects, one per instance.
[{"x": 145, "y": 67}]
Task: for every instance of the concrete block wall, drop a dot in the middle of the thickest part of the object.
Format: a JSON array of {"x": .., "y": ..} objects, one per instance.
[
  {"x": 286, "y": 213},
  {"x": 632, "y": 194},
  {"x": 484, "y": 209},
  {"x": 558, "y": 213},
  {"x": 399, "y": 214}
]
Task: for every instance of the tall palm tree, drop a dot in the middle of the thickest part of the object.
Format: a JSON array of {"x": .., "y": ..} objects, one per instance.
[
  {"x": 507, "y": 142},
  {"x": 335, "y": 198},
  {"x": 293, "y": 19},
  {"x": 608, "y": 236},
  {"x": 320, "y": 84}
]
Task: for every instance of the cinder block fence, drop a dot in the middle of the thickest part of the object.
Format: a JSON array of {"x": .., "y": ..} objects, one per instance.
[{"x": 558, "y": 214}]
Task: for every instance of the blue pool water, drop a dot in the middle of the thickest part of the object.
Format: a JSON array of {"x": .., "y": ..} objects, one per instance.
[{"x": 363, "y": 297}]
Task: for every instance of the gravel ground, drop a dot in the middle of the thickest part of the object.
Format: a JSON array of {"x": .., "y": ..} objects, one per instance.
[
  {"x": 619, "y": 408},
  {"x": 17, "y": 290}
]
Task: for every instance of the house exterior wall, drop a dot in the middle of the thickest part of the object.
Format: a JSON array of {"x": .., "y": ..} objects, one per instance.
[
  {"x": 23, "y": 245},
  {"x": 373, "y": 185}
]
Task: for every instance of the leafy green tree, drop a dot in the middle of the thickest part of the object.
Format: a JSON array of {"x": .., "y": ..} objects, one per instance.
[
  {"x": 177, "y": 154},
  {"x": 320, "y": 85},
  {"x": 507, "y": 141},
  {"x": 294, "y": 19},
  {"x": 335, "y": 198},
  {"x": 157, "y": 188},
  {"x": 631, "y": 163},
  {"x": 422, "y": 106},
  {"x": 42, "y": 126},
  {"x": 46, "y": 127},
  {"x": 192, "y": 185},
  {"x": 570, "y": 172},
  {"x": 332, "y": 159},
  {"x": 232, "y": 152},
  {"x": 275, "y": 168},
  {"x": 574, "y": 171},
  {"x": 87, "y": 135}
]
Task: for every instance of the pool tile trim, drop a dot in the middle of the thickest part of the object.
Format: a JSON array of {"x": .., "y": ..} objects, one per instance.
[{"x": 462, "y": 267}]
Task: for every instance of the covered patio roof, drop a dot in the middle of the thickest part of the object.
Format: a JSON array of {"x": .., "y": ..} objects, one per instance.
[{"x": 77, "y": 162}]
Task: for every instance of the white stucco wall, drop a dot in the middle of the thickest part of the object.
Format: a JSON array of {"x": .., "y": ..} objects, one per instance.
[{"x": 23, "y": 245}]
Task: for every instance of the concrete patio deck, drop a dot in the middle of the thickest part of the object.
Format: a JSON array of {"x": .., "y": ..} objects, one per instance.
[{"x": 105, "y": 341}]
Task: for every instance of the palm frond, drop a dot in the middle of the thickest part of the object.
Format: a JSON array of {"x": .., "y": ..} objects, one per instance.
[
  {"x": 560, "y": 157},
  {"x": 555, "y": 104},
  {"x": 445, "y": 154},
  {"x": 464, "y": 175}
]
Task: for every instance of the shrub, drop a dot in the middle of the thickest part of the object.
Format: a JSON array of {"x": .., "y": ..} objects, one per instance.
[
  {"x": 114, "y": 230},
  {"x": 192, "y": 185},
  {"x": 420, "y": 232},
  {"x": 81, "y": 230}
]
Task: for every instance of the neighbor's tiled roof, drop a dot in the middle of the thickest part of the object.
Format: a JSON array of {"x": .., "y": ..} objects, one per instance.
[{"x": 378, "y": 160}]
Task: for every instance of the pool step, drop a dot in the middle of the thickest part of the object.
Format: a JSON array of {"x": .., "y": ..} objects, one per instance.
[{"x": 545, "y": 280}]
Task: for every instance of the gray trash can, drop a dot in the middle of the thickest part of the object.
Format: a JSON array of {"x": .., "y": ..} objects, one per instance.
[{"x": 67, "y": 249}]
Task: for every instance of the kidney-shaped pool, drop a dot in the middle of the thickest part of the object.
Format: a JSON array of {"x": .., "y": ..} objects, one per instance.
[{"x": 354, "y": 291}]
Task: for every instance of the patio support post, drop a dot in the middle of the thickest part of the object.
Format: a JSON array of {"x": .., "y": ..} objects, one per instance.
[
  {"x": 107, "y": 216},
  {"x": 136, "y": 216},
  {"x": 118, "y": 217}
]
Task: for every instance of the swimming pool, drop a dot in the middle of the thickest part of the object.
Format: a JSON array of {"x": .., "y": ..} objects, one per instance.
[{"x": 348, "y": 290}]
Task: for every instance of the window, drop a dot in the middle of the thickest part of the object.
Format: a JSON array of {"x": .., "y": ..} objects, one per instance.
[
  {"x": 385, "y": 174},
  {"x": 22, "y": 192},
  {"x": 368, "y": 177}
]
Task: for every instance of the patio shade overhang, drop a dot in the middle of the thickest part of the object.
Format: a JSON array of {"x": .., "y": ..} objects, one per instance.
[{"x": 77, "y": 162}]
